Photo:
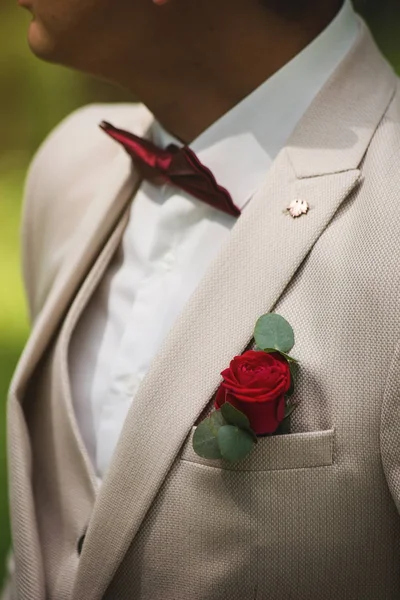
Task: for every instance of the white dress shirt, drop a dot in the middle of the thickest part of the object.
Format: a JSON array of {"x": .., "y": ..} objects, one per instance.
[{"x": 172, "y": 238}]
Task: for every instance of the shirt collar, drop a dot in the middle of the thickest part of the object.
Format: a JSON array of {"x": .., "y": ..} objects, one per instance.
[{"x": 248, "y": 138}]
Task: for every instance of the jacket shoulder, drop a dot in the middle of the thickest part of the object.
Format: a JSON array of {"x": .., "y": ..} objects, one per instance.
[
  {"x": 61, "y": 183},
  {"x": 383, "y": 155},
  {"x": 393, "y": 111},
  {"x": 76, "y": 147}
]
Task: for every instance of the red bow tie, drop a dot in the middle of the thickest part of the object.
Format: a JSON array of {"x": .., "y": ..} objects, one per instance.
[{"x": 177, "y": 166}]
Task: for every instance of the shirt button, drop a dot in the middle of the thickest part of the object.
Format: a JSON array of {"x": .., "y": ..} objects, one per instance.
[
  {"x": 169, "y": 260},
  {"x": 80, "y": 544}
]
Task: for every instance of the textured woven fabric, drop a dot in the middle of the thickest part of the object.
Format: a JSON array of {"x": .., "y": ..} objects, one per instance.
[{"x": 306, "y": 516}]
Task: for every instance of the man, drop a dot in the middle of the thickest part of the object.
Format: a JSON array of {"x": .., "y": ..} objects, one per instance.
[{"x": 141, "y": 294}]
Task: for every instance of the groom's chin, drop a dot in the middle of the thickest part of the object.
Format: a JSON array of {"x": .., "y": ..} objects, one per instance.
[
  {"x": 41, "y": 43},
  {"x": 57, "y": 47},
  {"x": 48, "y": 46}
]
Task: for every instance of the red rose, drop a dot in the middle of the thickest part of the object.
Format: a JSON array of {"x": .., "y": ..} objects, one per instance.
[{"x": 255, "y": 384}]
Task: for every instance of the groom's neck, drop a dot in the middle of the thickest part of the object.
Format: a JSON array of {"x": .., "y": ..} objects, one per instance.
[{"x": 208, "y": 68}]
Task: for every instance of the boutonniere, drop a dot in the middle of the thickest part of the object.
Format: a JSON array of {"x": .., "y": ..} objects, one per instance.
[{"x": 252, "y": 399}]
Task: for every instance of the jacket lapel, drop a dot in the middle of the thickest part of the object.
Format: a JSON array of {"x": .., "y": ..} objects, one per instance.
[{"x": 262, "y": 254}]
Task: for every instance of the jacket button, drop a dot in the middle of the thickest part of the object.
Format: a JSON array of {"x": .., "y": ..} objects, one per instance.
[{"x": 80, "y": 543}]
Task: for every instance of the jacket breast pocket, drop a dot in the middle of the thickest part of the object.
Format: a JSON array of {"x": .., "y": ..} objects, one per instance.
[{"x": 273, "y": 453}]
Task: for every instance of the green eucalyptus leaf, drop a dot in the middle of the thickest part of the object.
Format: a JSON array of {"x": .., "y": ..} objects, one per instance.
[
  {"x": 289, "y": 358},
  {"x": 289, "y": 409},
  {"x": 273, "y": 331},
  {"x": 205, "y": 438},
  {"x": 233, "y": 416},
  {"x": 217, "y": 419},
  {"x": 234, "y": 443}
]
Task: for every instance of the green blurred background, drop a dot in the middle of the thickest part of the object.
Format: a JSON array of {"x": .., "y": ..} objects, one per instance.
[{"x": 34, "y": 98}]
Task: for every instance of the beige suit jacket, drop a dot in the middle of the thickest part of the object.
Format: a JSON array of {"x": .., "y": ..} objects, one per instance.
[{"x": 311, "y": 515}]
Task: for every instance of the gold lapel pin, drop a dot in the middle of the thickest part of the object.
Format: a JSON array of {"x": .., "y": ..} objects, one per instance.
[{"x": 298, "y": 207}]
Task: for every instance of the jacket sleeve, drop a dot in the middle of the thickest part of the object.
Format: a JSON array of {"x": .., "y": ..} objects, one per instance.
[
  {"x": 390, "y": 428},
  {"x": 8, "y": 592},
  {"x": 42, "y": 189}
]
